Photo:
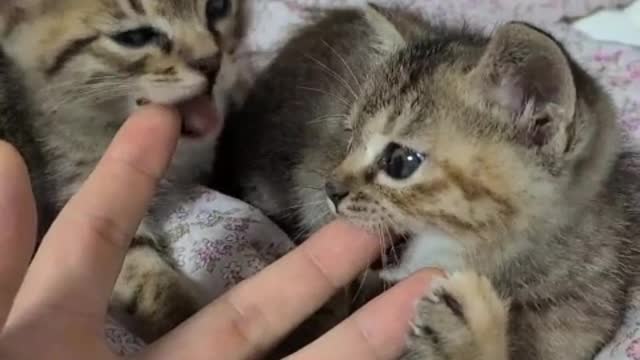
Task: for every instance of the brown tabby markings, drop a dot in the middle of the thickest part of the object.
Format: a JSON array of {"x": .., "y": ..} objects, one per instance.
[
  {"x": 83, "y": 83},
  {"x": 137, "y": 6},
  {"x": 475, "y": 191},
  {"x": 523, "y": 187},
  {"x": 73, "y": 49}
]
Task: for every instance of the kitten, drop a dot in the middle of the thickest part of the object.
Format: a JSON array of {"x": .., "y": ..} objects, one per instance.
[
  {"x": 497, "y": 158},
  {"x": 72, "y": 71}
]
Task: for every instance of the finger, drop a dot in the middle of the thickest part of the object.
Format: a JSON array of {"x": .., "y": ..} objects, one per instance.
[
  {"x": 256, "y": 314},
  {"x": 81, "y": 255},
  {"x": 377, "y": 331},
  {"x": 17, "y": 224}
]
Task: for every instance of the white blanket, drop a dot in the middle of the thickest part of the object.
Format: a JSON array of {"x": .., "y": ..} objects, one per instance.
[{"x": 218, "y": 241}]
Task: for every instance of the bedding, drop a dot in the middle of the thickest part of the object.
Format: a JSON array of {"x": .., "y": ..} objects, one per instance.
[{"x": 218, "y": 241}]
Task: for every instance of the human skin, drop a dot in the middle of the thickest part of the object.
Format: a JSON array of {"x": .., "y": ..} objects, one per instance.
[{"x": 54, "y": 305}]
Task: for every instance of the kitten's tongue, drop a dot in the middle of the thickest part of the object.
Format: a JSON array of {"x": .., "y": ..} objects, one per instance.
[{"x": 199, "y": 117}]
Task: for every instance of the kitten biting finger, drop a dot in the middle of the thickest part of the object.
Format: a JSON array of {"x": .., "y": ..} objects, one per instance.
[{"x": 71, "y": 72}]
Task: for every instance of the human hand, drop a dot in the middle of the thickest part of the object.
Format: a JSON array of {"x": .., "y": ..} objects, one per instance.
[{"x": 54, "y": 305}]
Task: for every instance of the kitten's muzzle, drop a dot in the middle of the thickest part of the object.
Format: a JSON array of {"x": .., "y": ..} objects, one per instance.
[
  {"x": 209, "y": 66},
  {"x": 199, "y": 116},
  {"x": 336, "y": 191}
]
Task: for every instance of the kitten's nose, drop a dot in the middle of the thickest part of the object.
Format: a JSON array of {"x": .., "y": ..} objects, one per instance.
[
  {"x": 336, "y": 191},
  {"x": 209, "y": 66}
]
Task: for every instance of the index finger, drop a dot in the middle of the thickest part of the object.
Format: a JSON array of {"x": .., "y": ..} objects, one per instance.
[
  {"x": 82, "y": 253},
  {"x": 259, "y": 312},
  {"x": 379, "y": 330},
  {"x": 18, "y": 223}
]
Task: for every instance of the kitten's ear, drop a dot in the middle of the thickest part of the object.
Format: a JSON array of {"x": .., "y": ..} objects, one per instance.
[
  {"x": 525, "y": 71},
  {"x": 12, "y": 12},
  {"x": 387, "y": 34}
]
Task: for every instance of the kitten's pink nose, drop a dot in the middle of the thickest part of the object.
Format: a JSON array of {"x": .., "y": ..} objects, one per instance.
[{"x": 209, "y": 66}]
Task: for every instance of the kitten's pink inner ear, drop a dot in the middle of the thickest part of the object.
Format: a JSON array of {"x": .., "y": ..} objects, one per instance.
[{"x": 521, "y": 66}]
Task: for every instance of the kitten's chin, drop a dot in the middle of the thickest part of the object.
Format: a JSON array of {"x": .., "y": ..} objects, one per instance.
[
  {"x": 431, "y": 248},
  {"x": 393, "y": 254},
  {"x": 201, "y": 118}
]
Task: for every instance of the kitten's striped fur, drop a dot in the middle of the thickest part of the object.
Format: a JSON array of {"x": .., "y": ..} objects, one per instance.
[
  {"x": 525, "y": 194},
  {"x": 67, "y": 86}
]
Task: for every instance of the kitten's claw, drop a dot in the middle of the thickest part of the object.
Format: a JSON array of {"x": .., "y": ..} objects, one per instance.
[{"x": 459, "y": 316}]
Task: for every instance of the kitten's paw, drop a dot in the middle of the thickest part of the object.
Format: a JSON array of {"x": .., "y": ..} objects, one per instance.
[
  {"x": 150, "y": 297},
  {"x": 461, "y": 318}
]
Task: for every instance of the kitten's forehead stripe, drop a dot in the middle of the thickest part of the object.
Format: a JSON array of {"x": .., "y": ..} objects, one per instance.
[
  {"x": 417, "y": 61},
  {"x": 474, "y": 190},
  {"x": 177, "y": 9},
  {"x": 416, "y": 124},
  {"x": 137, "y": 6},
  {"x": 127, "y": 66},
  {"x": 69, "y": 52}
]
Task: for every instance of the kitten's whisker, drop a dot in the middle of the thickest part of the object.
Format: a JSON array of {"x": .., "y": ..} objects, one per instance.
[
  {"x": 309, "y": 188},
  {"x": 336, "y": 97},
  {"x": 392, "y": 245},
  {"x": 72, "y": 86},
  {"x": 316, "y": 172},
  {"x": 71, "y": 90},
  {"x": 344, "y": 62},
  {"x": 88, "y": 96},
  {"x": 299, "y": 206},
  {"x": 320, "y": 120},
  {"x": 334, "y": 74},
  {"x": 293, "y": 210},
  {"x": 320, "y": 218},
  {"x": 383, "y": 254},
  {"x": 313, "y": 223},
  {"x": 360, "y": 288}
]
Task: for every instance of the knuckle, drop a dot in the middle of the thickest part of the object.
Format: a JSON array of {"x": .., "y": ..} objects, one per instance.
[
  {"x": 362, "y": 337},
  {"x": 249, "y": 325},
  {"x": 319, "y": 269},
  {"x": 130, "y": 167},
  {"x": 104, "y": 229}
]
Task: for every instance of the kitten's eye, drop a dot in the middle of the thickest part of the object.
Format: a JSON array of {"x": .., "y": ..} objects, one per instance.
[
  {"x": 217, "y": 8},
  {"x": 137, "y": 37},
  {"x": 400, "y": 162}
]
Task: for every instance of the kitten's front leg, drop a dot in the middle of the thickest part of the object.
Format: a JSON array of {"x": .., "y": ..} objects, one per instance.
[
  {"x": 151, "y": 296},
  {"x": 462, "y": 318}
]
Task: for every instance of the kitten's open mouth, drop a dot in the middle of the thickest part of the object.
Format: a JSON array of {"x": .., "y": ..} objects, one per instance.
[
  {"x": 392, "y": 254},
  {"x": 199, "y": 116}
]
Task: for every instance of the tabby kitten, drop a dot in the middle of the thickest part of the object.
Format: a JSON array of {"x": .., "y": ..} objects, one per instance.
[
  {"x": 73, "y": 70},
  {"x": 497, "y": 158}
]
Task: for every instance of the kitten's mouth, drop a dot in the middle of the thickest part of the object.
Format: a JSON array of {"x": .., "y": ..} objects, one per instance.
[
  {"x": 199, "y": 116},
  {"x": 393, "y": 254}
]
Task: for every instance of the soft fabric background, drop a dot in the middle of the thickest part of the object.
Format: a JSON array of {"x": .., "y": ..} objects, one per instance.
[{"x": 219, "y": 241}]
